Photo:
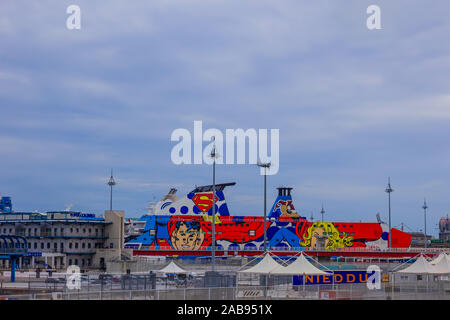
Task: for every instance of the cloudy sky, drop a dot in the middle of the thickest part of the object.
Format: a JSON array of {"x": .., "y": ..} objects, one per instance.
[{"x": 353, "y": 105}]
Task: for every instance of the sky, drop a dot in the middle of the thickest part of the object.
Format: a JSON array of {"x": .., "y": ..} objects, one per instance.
[{"x": 353, "y": 106}]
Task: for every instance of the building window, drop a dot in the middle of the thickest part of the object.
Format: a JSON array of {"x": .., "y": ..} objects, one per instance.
[
  {"x": 76, "y": 245},
  {"x": 70, "y": 245},
  {"x": 55, "y": 245},
  {"x": 71, "y": 230},
  {"x": 84, "y": 230},
  {"x": 89, "y": 245},
  {"x": 83, "y": 245},
  {"x": 48, "y": 245},
  {"x": 70, "y": 261},
  {"x": 76, "y": 261},
  {"x": 35, "y": 245},
  {"x": 42, "y": 245}
]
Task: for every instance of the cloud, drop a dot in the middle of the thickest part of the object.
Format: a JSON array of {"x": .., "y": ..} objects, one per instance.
[{"x": 352, "y": 105}]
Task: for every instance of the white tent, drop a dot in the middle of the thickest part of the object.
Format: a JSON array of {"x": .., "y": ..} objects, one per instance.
[
  {"x": 442, "y": 266},
  {"x": 420, "y": 266},
  {"x": 440, "y": 257},
  {"x": 301, "y": 266},
  {"x": 172, "y": 267},
  {"x": 265, "y": 266}
]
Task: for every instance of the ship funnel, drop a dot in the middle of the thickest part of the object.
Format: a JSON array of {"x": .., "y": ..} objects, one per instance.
[{"x": 283, "y": 205}]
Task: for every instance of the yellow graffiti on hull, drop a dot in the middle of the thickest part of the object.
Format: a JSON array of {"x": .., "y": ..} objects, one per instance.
[{"x": 328, "y": 232}]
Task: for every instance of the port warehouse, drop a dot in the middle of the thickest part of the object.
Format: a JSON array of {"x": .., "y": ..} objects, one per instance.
[{"x": 58, "y": 239}]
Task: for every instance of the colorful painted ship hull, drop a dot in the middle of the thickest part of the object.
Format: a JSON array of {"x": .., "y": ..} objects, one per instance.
[{"x": 185, "y": 225}]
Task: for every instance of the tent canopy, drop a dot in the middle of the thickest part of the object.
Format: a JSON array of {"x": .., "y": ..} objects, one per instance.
[
  {"x": 422, "y": 266},
  {"x": 300, "y": 266},
  {"x": 269, "y": 266},
  {"x": 440, "y": 257},
  {"x": 442, "y": 266},
  {"x": 266, "y": 265},
  {"x": 172, "y": 267}
]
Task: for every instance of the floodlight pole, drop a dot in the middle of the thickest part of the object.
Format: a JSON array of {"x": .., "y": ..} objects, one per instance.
[
  {"x": 389, "y": 190},
  {"x": 265, "y": 166},
  {"x": 213, "y": 255},
  {"x": 111, "y": 183},
  {"x": 425, "y": 207}
]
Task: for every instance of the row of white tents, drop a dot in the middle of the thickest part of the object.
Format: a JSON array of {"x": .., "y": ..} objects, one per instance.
[
  {"x": 266, "y": 266},
  {"x": 440, "y": 265},
  {"x": 301, "y": 266}
]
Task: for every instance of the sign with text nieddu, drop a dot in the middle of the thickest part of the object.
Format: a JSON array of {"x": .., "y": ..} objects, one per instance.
[{"x": 339, "y": 276}]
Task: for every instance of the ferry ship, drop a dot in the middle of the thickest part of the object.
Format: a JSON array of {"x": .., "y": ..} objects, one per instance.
[{"x": 182, "y": 226}]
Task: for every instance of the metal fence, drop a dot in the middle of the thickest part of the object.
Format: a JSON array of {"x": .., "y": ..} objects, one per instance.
[{"x": 319, "y": 292}]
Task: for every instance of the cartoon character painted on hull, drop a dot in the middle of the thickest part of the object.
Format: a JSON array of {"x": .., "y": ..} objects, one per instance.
[
  {"x": 286, "y": 208},
  {"x": 331, "y": 236},
  {"x": 186, "y": 235}
]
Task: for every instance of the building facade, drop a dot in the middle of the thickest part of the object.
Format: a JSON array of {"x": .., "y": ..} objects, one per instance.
[
  {"x": 444, "y": 229},
  {"x": 418, "y": 240},
  {"x": 58, "y": 239}
]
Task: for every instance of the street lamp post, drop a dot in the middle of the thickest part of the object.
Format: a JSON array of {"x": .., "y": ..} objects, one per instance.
[
  {"x": 265, "y": 166},
  {"x": 213, "y": 254},
  {"x": 111, "y": 183},
  {"x": 322, "y": 212},
  {"x": 425, "y": 207},
  {"x": 389, "y": 190}
]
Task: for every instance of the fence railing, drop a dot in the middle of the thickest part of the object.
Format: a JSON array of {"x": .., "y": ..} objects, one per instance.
[{"x": 320, "y": 292}]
